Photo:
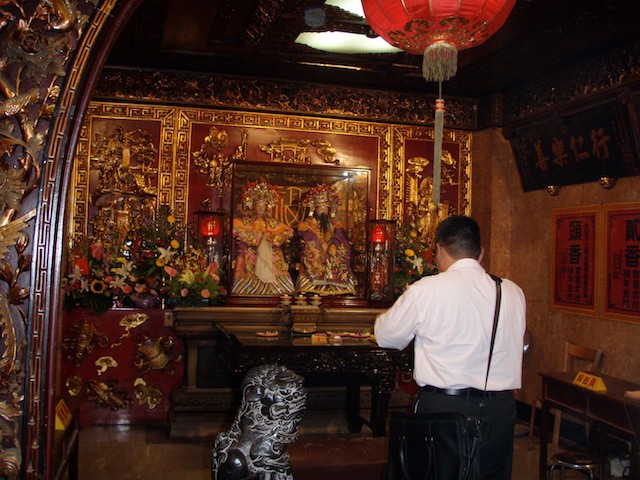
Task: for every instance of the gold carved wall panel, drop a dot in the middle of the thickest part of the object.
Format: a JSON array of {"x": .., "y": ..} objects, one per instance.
[
  {"x": 413, "y": 159},
  {"x": 186, "y": 154},
  {"x": 124, "y": 157}
]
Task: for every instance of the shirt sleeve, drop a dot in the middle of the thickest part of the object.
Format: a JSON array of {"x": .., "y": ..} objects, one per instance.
[{"x": 396, "y": 327}]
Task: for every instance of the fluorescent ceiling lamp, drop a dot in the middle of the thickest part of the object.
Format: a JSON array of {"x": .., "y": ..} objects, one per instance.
[
  {"x": 351, "y": 6},
  {"x": 343, "y": 42},
  {"x": 331, "y": 65}
]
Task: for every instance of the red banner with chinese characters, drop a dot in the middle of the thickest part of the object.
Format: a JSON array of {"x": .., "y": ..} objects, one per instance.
[
  {"x": 622, "y": 290},
  {"x": 575, "y": 258}
]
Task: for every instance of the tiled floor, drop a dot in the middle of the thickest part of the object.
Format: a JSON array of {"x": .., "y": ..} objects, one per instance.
[{"x": 131, "y": 453}]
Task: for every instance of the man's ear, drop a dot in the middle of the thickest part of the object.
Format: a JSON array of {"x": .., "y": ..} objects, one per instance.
[{"x": 481, "y": 255}]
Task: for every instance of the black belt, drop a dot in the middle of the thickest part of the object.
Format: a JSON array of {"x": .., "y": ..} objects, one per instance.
[{"x": 464, "y": 392}]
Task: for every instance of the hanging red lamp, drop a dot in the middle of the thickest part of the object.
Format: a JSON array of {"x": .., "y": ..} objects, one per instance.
[{"x": 436, "y": 29}]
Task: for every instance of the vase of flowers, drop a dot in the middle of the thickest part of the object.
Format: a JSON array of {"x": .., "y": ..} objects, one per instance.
[
  {"x": 193, "y": 281},
  {"x": 413, "y": 259}
]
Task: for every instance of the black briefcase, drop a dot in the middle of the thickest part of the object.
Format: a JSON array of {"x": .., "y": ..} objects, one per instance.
[{"x": 433, "y": 446}]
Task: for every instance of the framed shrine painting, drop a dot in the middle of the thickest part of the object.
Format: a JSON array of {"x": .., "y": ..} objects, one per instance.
[
  {"x": 576, "y": 260},
  {"x": 298, "y": 230},
  {"x": 622, "y": 262}
]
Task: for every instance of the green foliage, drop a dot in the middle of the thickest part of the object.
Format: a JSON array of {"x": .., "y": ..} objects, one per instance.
[{"x": 413, "y": 259}]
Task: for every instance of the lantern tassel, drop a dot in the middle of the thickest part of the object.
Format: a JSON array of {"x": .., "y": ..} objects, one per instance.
[
  {"x": 437, "y": 150},
  {"x": 439, "y": 62}
]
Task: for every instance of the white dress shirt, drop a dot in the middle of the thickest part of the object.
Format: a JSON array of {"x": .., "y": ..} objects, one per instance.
[{"x": 450, "y": 315}]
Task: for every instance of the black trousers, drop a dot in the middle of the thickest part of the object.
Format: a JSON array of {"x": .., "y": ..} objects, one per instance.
[{"x": 499, "y": 416}]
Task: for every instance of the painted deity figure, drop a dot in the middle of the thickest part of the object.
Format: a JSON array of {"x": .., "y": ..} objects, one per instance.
[
  {"x": 326, "y": 252},
  {"x": 260, "y": 267}
]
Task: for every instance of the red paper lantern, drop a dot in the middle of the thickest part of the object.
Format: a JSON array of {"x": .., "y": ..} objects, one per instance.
[
  {"x": 378, "y": 235},
  {"x": 210, "y": 226},
  {"x": 437, "y": 29}
]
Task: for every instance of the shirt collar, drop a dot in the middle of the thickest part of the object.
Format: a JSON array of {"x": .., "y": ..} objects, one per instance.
[{"x": 465, "y": 263}]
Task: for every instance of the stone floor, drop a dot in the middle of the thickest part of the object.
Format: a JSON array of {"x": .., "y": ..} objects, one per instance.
[{"x": 147, "y": 453}]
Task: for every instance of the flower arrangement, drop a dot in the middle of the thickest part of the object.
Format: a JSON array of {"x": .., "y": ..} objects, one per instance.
[
  {"x": 413, "y": 259},
  {"x": 154, "y": 246},
  {"x": 194, "y": 282},
  {"x": 146, "y": 269},
  {"x": 91, "y": 281}
]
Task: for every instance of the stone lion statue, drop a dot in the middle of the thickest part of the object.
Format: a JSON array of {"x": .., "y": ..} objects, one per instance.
[{"x": 268, "y": 420}]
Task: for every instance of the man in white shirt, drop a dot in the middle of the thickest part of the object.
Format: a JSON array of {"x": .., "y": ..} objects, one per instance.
[{"x": 450, "y": 317}]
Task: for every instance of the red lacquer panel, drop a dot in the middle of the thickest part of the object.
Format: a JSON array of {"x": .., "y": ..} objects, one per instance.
[
  {"x": 135, "y": 389},
  {"x": 575, "y": 259},
  {"x": 622, "y": 289}
]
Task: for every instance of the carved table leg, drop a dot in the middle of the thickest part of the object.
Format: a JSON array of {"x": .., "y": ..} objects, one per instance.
[{"x": 354, "y": 418}]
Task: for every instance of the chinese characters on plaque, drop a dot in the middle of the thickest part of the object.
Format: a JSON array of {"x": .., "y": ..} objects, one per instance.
[
  {"x": 575, "y": 259},
  {"x": 580, "y": 252},
  {"x": 622, "y": 289},
  {"x": 579, "y": 147}
]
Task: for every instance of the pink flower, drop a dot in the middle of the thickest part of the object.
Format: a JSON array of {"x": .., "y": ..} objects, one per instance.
[
  {"x": 205, "y": 293},
  {"x": 172, "y": 272},
  {"x": 212, "y": 268},
  {"x": 184, "y": 292},
  {"x": 127, "y": 289}
]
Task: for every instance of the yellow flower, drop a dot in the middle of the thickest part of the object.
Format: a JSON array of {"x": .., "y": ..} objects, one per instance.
[
  {"x": 97, "y": 286},
  {"x": 160, "y": 262},
  {"x": 175, "y": 244},
  {"x": 171, "y": 219},
  {"x": 413, "y": 234},
  {"x": 409, "y": 252}
]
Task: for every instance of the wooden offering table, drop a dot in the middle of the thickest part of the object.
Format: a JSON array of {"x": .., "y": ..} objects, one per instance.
[
  {"x": 360, "y": 358},
  {"x": 221, "y": 344},
  {"x": 604, "y": 411}
]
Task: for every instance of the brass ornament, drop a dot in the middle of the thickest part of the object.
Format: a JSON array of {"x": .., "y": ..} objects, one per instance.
[
  {"x": 104, "y": 363},
  {"x": 607, "y": 182},
  {"x": 151, "y": 395},
  {"x": 74, "y": 385},
  {"x": 84, "y": 339},
  {"x": 129, "y": 322},
  {"x": 155, "y": 354},
  {"x": 553, "y": 190},
  {"x": 108, "y": 394}
]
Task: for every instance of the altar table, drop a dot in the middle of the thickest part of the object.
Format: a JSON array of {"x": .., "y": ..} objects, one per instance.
[
  {"x": 604, "y": 411},
  {"x": 362, "y": 358}
]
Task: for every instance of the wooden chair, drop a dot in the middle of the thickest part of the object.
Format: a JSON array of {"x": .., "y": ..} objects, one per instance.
[{"x": 576, "y": 358}]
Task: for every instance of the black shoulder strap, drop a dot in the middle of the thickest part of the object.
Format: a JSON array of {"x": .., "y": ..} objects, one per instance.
[{"x": 498, "y": 281}]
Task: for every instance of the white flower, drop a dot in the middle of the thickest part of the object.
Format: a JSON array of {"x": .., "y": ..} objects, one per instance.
[
  {"x": 119, "y": 282},
  {"x": 417, "y": 263},
  {"x": 84, "y": 285},
  {"x": 76, "y": 274},
  {"x": 166, "y": 253},
  {"x": 124, "y": 270}
]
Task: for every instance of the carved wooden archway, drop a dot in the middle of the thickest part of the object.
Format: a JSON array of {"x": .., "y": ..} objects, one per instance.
[{"x": 42, "y": 110}]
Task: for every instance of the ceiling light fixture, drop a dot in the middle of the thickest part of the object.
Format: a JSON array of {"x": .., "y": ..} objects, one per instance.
[
  {"x": 352, "y": 6},
  {"x": 331, "y": 65},
  {"x": 343, "y": 42}
]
